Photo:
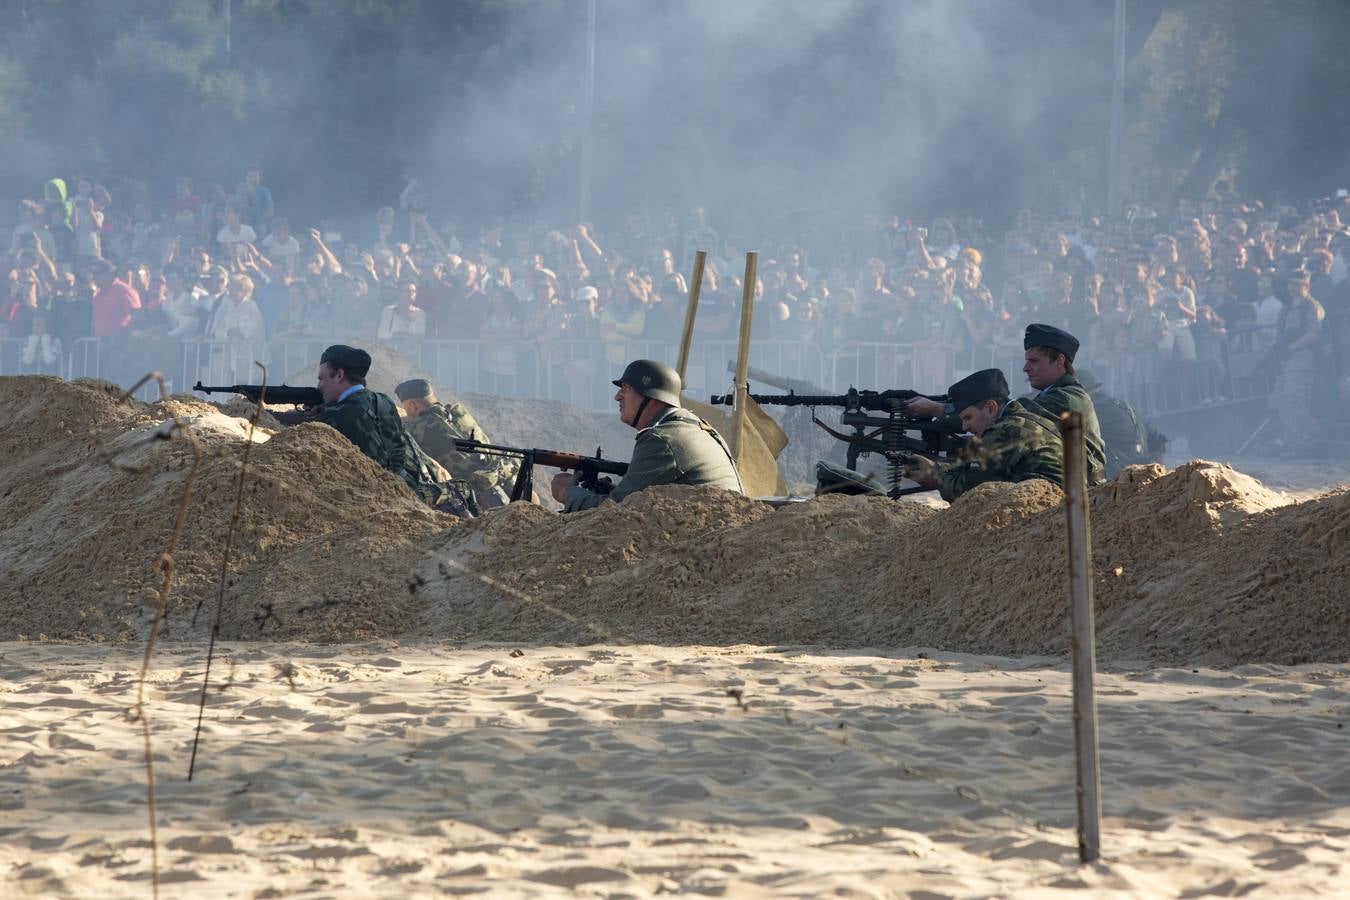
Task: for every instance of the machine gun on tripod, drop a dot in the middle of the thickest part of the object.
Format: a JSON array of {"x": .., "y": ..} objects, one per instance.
[{"x": 880, "y": 425}]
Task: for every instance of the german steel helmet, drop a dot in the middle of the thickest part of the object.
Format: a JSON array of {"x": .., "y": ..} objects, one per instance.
[{"x": 652, "y": 379}]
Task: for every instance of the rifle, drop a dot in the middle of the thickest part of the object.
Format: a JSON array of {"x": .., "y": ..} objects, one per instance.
[
  {"x": 589, "y": 468},
  {"x": 896, "y": 435},
  {"x": 296, "y": 396}
]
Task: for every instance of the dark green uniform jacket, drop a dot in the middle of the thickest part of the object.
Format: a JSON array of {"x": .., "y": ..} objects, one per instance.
[
  {"x": 678, "y": 448},
  {"x": 1125, "y": 436},
  {"x": 436, "y": 429},
  {"x": 1023, "y": 444},
  {"x": 370, "y": 420},
  {"x": 1066, "y": 395}
]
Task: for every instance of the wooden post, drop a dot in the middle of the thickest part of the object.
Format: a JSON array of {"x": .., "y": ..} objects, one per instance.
[
  {"x": 690, "y": 311},
  {"x": 742, "y": 385},
  {"x": 1088, "y": 782}
]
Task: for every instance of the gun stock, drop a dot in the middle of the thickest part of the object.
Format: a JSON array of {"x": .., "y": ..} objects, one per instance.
[
  {"x": 573, "y": 462},
  {"x": 589, "y": 468}
]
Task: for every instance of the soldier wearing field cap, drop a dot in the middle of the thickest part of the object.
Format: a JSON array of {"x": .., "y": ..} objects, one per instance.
[
  {"x": 436, "y": 427},
  {"x": 1048, "y": 364},
  {"x": 673, "y": 446},
  {"x": 1012, "y": 441},
  {"x": 370, "y": 419}
]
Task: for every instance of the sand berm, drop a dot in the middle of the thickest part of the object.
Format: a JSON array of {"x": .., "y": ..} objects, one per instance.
[{"x": 1200, "y": 565}]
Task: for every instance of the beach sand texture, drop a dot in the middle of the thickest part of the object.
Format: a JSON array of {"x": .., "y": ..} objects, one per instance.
[
  {"x": 688, "y": 692},
  {"x": 419, "y": 771}
]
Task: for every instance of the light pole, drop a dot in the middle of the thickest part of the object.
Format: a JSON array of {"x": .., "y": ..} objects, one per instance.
[
  {"x": 587, "y": 117},
  {"x": 1117, "y": 111}
]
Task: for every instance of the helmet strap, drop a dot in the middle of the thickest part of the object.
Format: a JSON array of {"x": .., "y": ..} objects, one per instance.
[{"x": 637, "y": 416}]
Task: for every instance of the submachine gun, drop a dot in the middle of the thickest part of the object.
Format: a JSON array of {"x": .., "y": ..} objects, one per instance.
[
  {"x": 880, "y": 425},
  {"x": 589, "y": 468}
]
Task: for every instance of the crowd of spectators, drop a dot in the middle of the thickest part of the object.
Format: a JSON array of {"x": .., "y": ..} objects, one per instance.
[{"x": 1175, "y": 308}]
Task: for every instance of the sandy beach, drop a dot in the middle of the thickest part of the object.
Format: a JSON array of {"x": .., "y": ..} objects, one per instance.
[{"x": 417, "y": 771}]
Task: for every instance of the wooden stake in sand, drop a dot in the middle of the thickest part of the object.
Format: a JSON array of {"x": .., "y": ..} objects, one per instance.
[
  {"x": 687, "y": 336},
  {"x": 1088, "y": 783},
  {"x": 741, "y": 387}
]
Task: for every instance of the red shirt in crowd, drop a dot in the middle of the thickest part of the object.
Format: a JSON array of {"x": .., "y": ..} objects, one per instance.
[
  {"x": 112, "y": 308},
  {"x": 190, "y": 204}
]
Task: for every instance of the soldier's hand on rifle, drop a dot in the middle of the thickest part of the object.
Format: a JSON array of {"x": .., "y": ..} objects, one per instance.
[
  {"x": 920, "y": 407},
  {"x": 560, "y": 485},
  {"x": 922, "y": 472}
]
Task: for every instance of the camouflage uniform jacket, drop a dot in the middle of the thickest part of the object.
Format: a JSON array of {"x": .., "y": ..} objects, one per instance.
[
  {"x": 501, "y": 471},
  {"x": 678, "y": 448},
  {"x": 436, "y": 429},
  {"x": 1066, "y": 395},
  {"x": 1023, "y": 444},
  {"x": 1125, "y": 436},
  {"x": 370, "y": 420}
]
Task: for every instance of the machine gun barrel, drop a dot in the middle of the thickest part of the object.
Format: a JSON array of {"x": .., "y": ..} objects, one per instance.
[
  {"x": 878, "y": 401},
  {"x": 789, "y": 399}
]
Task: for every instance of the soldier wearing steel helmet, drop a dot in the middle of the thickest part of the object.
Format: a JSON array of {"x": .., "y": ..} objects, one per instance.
[{"x": 673, "y": 446}]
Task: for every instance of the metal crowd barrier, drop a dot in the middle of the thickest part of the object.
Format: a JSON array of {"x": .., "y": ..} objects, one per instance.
[
  {"x": 927, "y": 368},
  {"x": 579, "y": 372},
  {"x": 287, "y": 359},
  {"x": 11, "y": 360},
  {"x": 86, "y": 358},
  {"x": 218, "y": 362},
  {"x": 506, "y": 368}
]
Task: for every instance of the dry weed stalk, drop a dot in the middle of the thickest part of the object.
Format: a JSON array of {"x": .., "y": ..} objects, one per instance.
[
  {"x": 164, "y": 565},
  {"x": 225, "y": 566}
]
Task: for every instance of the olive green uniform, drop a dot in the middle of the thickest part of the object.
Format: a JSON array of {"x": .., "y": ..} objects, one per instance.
[
  {"x": 1021, "y": 445},
  {"x": 1068, "y": 395},
  {"x": 678, "y": 448},
  {"x": 436, "y": 429}
]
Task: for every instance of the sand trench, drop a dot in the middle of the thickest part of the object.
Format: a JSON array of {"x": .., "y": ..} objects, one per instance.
[{"x": 1201, "y": 564}]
